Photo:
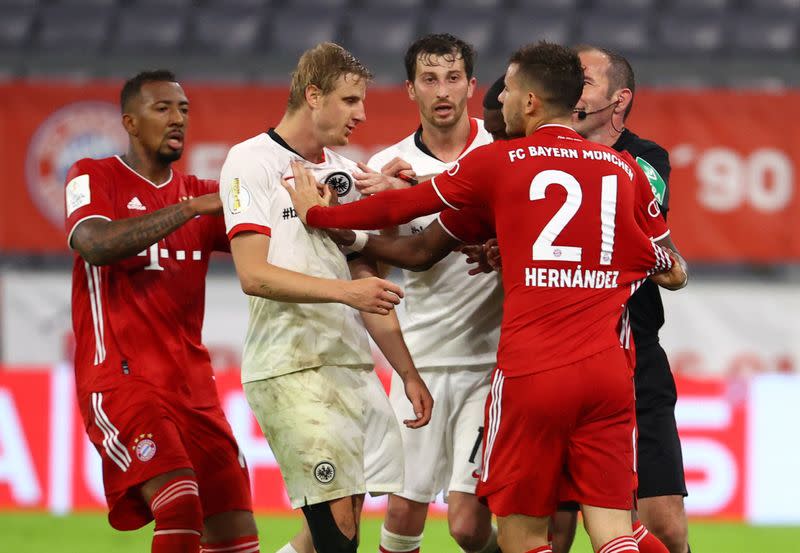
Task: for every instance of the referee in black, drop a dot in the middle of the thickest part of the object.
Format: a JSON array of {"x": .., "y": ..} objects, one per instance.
[{"x": 600, "y": 116}]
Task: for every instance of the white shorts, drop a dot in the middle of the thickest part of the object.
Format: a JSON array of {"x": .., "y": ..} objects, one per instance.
[
  {"x": 317, "y": 421},
  {"x": 446, "y": 454}
]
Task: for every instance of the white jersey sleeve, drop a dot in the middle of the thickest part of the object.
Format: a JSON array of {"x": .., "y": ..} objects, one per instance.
[{"x": 247, "y": 192}]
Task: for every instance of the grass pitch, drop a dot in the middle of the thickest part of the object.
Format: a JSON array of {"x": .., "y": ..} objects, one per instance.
[{"x": 23, "y": 532}]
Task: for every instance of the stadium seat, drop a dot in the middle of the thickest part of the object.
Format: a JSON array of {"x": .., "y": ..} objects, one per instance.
[
  {"x": 382, "y": 33},
  {"x": 690, "y": 34},
  {"x": 455, "y": 6},
  {"x": 549, "y": 8},
  {"x": 785, "y": 7},
  {"x": 624, "y": 6},
  {"x": 149, "y": 29},
  {"x": 765, "y": 35},
  {"x": 296, "y": 30},
  {"x": 523, "y": 27},
  {"x": 238, "y": 4},
  {"x": 29, "y": 4},
  {"x": 697, "y": 6},
  {"x": 226, "y": 30},
  {"x": 392, "y": 4},
  {"x": 629, "y": 34},
  {"x": 164, "y": 4},
  {"x": 474, "y": 27},
  {"x": 319, "y": 4},
  {"x": 87, "y": 3},
  {"x": 58, "y": 23},
  {"x": 15, "y": 27}
]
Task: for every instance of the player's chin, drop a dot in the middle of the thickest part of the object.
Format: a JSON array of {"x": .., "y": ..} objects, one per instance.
[{"x": 170, "y": 154}]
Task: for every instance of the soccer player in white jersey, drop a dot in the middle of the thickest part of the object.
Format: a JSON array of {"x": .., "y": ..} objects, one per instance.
[
  {"x": 307, "y": 367},
  {"x": 452, "y": 319}
]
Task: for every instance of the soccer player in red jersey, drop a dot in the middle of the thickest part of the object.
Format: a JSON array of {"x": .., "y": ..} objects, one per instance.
[
  {"x": 142, "y": 235},
  {"x": 576, "y": 230}
]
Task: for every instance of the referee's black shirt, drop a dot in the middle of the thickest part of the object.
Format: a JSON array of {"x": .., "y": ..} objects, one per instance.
[{"x": 646, "y": 309}]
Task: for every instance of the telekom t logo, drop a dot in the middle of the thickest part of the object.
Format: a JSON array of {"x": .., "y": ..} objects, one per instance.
[{"x": 157, "y": 253}]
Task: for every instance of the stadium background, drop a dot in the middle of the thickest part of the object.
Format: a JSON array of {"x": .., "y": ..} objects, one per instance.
[{"x": 718, "y": 88}]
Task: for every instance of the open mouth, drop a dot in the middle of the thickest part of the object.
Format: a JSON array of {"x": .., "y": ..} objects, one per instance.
[
  {"x": 443, "y": 109},
  {"x": 175, "y": 140}
]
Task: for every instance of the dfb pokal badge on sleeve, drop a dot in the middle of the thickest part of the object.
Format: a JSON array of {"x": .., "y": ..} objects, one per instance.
[{"x": 76, "y": 131}]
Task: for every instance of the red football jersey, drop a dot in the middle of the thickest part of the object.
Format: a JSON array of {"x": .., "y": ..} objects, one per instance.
[
  {"x": 142, "y": 317},
  {"x": 574, "y": 224}
]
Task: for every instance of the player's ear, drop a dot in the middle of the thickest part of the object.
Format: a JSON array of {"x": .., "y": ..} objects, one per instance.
[
  {"x": 623, "y": 97},
  {"x": 313, "y": 96},
  {"x": 130, "y": 124},
  {"x": 473, "y": 82},
  {"x": 412, "y": 93},
  {"x": 532, "y": 104}
]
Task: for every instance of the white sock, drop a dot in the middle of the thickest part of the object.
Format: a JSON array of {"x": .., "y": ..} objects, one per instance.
[
  {"x": 491, "y": 543},
  {"x": 287, "y": 549},
  {"x": 397, "y": 543}
]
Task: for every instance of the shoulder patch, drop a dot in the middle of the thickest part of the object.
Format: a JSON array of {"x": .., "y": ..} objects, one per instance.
[
  {"x": 238, "y": 197},
  {"x": 78, "y": 193},
  {"x": 657, "y": 184}
]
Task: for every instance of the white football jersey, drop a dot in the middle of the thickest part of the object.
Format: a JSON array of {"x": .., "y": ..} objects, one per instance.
[
  {"x": 287, "y": 337},
  {"x": 451, "y": 318}
]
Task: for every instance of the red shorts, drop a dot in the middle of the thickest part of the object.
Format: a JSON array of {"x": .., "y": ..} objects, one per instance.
[
  {"x": 141, "y": 432},
  {"x": 566, "y": 434}
]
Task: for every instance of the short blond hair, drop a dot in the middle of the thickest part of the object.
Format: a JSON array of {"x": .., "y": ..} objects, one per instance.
[{"x": 321, "y": 66}]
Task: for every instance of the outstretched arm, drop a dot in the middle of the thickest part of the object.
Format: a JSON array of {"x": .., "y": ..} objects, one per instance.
[
  {"x": 382, "y": 210},
  {"x": 102, "y": 242},
  {"x": 417, "y": 252}
]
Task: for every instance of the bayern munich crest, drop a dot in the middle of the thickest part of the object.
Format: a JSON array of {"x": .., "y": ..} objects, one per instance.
[
  {"x": 144, "y": 447},
  {"x": 325, "y": 472},
  {"x": 340, "y": 181},
  {"x": 76, "y": 131}
]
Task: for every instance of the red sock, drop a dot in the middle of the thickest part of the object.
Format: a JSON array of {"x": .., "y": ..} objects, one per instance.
[
  {"x": 245, "y": 544},
  {"x": 178, "y": 515},
  {"x": 648, "y": 543},
  {"x": 542, "y": 549},
  {"x": 622, "y": 544}
]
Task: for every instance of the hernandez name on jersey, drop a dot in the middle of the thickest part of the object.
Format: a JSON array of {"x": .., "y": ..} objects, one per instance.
[
  {"x": 576, "y": 225},
  {"x": 280, "y": 335},
  {"x": 451, "y": 318}
]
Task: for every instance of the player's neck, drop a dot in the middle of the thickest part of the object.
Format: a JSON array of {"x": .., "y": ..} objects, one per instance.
[
  {"x": 447, "y": 143},
  {"x": 152, "y": 169},
  {"x": 297, "y": 130},
  {"x": 536, "y": 122}
]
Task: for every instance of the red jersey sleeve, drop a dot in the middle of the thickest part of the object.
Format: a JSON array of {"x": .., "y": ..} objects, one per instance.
[
  {"x": 220, "y": 236},
  {"x": 87, "y": 194},
  {"x": 648, "y": 212},
  {"x": 469, "y": 225},
  {"x": 470, "y": 181}
]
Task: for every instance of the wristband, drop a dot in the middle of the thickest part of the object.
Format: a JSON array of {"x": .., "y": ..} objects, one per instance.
[{"x": 360, "y": 241}]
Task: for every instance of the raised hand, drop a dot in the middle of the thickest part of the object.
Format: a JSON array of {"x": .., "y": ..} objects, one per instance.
[
  {"x": 372, "y": 182},
  {"x": 306, "y": 191},
  {"x": 207, "y": 204}
]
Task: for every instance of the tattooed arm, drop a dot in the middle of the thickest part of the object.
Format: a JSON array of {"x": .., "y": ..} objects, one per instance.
[{"x": 101, "y": 242}]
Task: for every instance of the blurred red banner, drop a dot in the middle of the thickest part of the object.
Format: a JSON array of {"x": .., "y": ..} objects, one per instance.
[
  {"x": 47, "y": 463},
  {"x": 734, "y": 155}
]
